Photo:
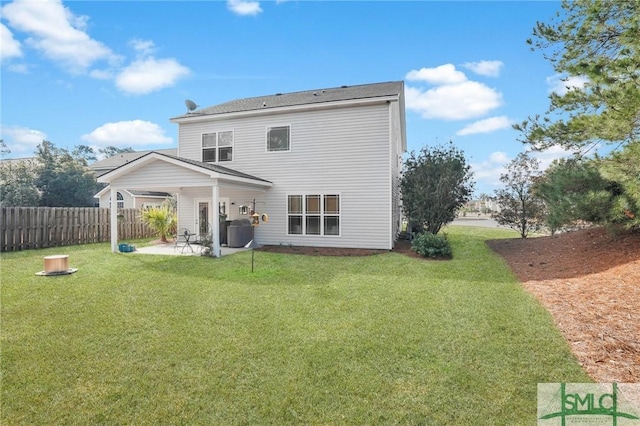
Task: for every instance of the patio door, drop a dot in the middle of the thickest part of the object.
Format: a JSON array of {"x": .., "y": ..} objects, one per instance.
[{"x": 204, "y": 215}]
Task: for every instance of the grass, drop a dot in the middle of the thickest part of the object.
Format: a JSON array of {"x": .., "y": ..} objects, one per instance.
[{"x": 385, "y": 339}]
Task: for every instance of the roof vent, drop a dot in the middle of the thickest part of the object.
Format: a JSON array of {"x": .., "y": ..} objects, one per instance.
[
  {"x": 278, "y": 94},
  {"x": 315, "y": 93},
  {"x": 344, "y": 87},
  {"x": 264, "y": 104}
]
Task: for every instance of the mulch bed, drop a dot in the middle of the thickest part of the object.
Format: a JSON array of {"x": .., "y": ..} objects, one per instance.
[
  {"x": 320, "y": 251},
  {"x": 402, "y": 246},
  {"x": 589, "y": 280}
]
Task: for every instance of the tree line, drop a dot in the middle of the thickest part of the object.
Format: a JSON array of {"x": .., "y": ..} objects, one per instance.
[
  {"x": 599, "y": 42},
  {"x": 54, "y": 177}
]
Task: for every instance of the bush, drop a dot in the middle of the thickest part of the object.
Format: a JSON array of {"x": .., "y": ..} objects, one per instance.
[
  {"x": 430, "y": 245},
  {"x": 159, "y": 219}
]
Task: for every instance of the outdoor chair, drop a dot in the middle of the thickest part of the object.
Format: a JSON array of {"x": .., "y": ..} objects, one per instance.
[{"x": 183, "y": 240}]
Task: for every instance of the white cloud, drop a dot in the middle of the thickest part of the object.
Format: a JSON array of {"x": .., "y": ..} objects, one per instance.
[
  {"x": 487, "y": 125},
  {"x": 244, "y": 8},
  {"x": 461, "y": 101},
  {"x": 19, "y": 68},
  {"x": 454, "y": 97},
  {"x": 53, "y": 30},
  {"x": 143, "y": 47},
  {"x": 499, "y": 157},
  {"x": 135, "y": 133},
  {"x": 488, "y": 172},
  {"x": 561, "y": 85},
  {"x": 101, "y": 74},
  {"x": 443, "y": 74},
  {"x": 547, "y": 156},
  {"x": 150, "y": 74},
  {"x": 9, "y": 46},
  {"x": 486, "y": 68},
  {"x": 22, "y": 141}
]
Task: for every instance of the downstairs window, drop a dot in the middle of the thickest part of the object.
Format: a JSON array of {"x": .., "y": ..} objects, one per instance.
[{"x": 313, "y": 214}]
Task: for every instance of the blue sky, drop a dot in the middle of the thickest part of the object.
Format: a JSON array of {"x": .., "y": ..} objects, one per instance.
[{"x": 103, "y": 73}]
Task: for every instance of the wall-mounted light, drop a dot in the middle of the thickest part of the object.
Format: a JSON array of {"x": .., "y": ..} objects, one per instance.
[{"x": 243, "y": 210}]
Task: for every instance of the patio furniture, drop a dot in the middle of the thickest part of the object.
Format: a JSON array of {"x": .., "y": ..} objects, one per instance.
[{"x": 183, "y": 239}]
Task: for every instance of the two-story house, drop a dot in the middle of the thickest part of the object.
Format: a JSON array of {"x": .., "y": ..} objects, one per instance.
[{"x": 324, "y": 165}]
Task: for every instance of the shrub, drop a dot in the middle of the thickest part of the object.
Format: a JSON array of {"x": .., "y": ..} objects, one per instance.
[
  {"x": 430, "y": 245},
  {"x": 159, "y": 219}
]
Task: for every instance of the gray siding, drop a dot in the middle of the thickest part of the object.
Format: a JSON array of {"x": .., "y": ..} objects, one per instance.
[
  {"x": 160, "y": 174},
  {"x": 341, "y": 151}
]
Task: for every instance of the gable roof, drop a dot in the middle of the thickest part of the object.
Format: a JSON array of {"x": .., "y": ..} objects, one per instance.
[
  {"x": 102, "y": 166},
  {"x": 307, "y": 97},
  {"x": 134, "y": 193},
  {"x": 150, "y": 194},
  {"x": 192, "y": 164},
  {"x": 216, "y": 168}
]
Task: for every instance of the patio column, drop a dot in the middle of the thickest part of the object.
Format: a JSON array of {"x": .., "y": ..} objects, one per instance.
[
  {"x": 113, "y": 219},
  {"x": 215, "y": 206}
]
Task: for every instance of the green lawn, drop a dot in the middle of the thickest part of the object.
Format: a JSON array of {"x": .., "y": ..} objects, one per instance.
[{"x": 385, "y": 339}]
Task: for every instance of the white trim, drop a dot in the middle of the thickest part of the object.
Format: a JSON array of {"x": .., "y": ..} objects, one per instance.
[
  {"x": 392, "y": 160},
  {"x": 196, "y": 216},
  {"x": 266, "y": 138},
  {"x": 142, "y": 161},
  {"x": 114, "y": 219},
  {"x": 199, "y": 116},
  {"x": 217, "y": 146},
  {"x": 215, "y": 201},
  {"x": 132, "y": 195},
  {"x": 322, "y": 214}
]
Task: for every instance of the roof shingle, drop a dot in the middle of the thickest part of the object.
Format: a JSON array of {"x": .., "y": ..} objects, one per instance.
[{"x": 343, "y": 93}]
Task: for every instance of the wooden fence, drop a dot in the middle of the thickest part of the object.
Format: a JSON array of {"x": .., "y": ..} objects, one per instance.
[{"x": 24, "y": 228}]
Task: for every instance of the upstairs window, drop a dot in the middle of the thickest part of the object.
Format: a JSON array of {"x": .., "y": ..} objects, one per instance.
[
  {"x": 278, "y": 138},
  {"x": 217, "y": 147}
]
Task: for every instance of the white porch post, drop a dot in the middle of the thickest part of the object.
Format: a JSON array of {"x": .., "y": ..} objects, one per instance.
[
  {"x": 114, "y": 220},
  {"x": 216, "y": 220}
]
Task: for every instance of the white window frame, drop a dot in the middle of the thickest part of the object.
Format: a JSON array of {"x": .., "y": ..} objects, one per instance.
[
  {"x": 276, "y": 126},
  {"x": 119, "y": 200},
  {"x": 323, "y": 214},
  {"x": 217, "y": 146}
]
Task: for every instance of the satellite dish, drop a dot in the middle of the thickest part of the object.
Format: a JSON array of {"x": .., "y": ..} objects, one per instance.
[{"x": 190, "y": 105}]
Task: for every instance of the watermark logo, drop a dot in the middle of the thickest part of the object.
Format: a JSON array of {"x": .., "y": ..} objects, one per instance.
[{"x": 564, "y": 404}]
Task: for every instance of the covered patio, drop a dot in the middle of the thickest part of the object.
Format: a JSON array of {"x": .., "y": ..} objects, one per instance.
[
  {"x": 169, "y": 249},
  {"x": 200, "y": 189}
]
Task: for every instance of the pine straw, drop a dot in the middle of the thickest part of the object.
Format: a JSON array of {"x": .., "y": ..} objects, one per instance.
[{"x": 589, "y": 280}]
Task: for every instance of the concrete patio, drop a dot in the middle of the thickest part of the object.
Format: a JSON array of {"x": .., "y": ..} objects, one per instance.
[{"x": 170, "y": 249}]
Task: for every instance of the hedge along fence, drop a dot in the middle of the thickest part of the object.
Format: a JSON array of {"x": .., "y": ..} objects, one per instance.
[{"x": 25, "y": 228}]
